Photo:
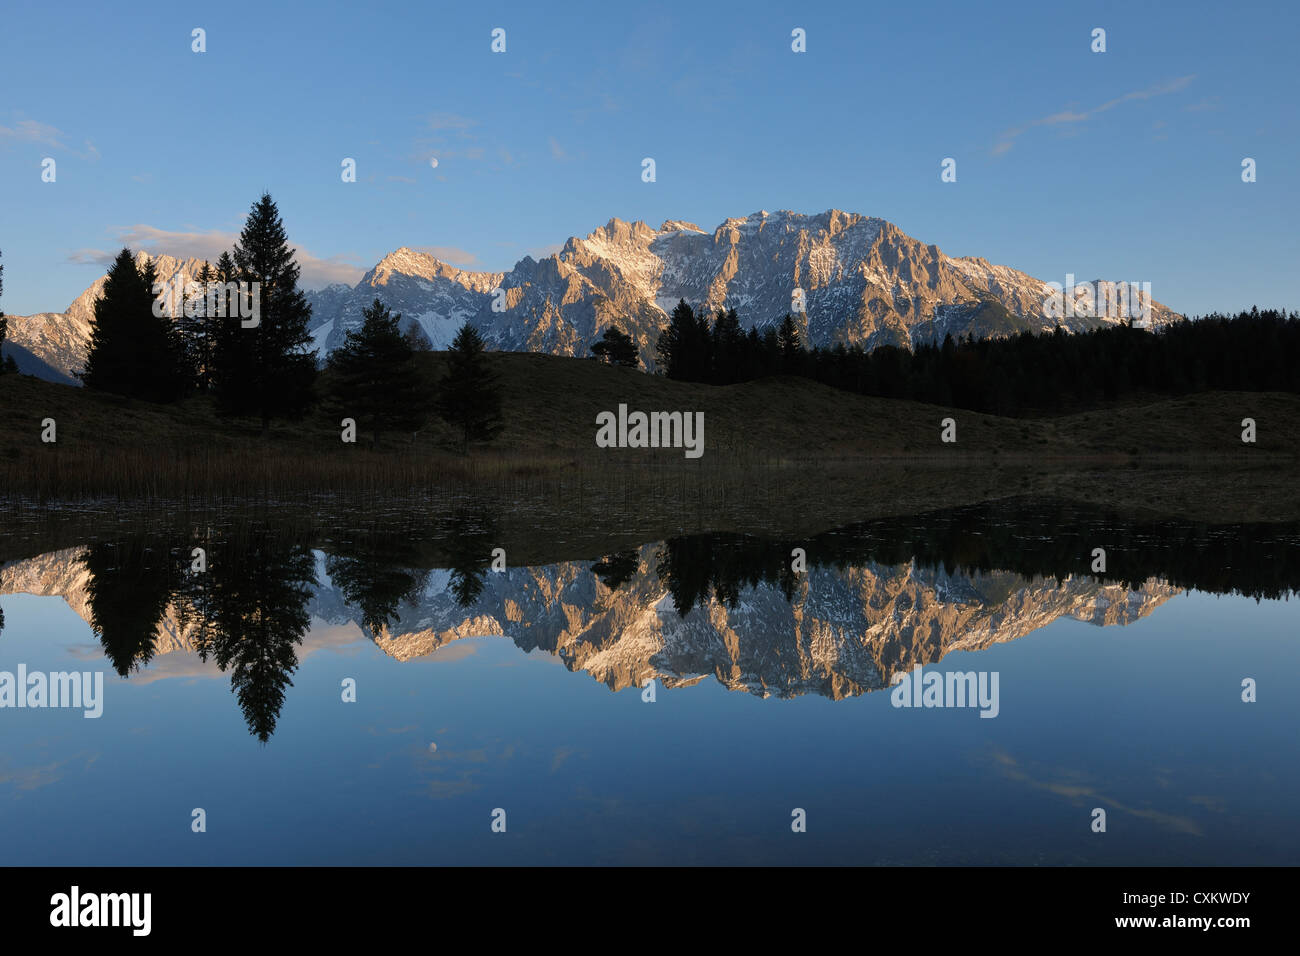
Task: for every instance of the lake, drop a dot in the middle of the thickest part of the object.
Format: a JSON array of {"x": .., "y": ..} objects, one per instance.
[{"x": 399, "y": 691}]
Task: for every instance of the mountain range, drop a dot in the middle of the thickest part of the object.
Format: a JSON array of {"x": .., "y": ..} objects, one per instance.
[
  {"x": 863, "y": 281},
  {"x": 844, "y": 631}
]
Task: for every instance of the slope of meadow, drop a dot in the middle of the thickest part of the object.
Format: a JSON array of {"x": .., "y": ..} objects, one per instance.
[{"x": 109, "y": 445}]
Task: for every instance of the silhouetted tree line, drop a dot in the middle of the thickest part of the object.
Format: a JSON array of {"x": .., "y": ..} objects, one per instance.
[
  {"x": 247, "y": 609},
  {"x": 1251, "y": 351},
  {"x": 1259, "y": 560},
  {"x": 381, "y": 567},
  {"x": 246, "y": 342},
  {"x": 696, "y": 567},
  {"x": 1255, "y": 560},
  {"x": 692, "y": 350},
  {"x": 376, "y": 380},
  {"x": 377, "y": 574},
  {"x": 243, "y": 339}
]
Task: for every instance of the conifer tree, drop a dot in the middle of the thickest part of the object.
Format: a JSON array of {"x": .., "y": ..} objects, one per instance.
[
  {"x": 469, "y": 396},
  {"x": 263, "y": 367},
  {"x": 226, "y": 273},
  {"x": 161, "y": 346},
  {"x": 727, "y": 344},
  {"x": 683, "y": 346},
  {"x": 375, "y": 379},
  {"x": 377, "y": 574},
  {"x": 255, "y": 616},
  {"x": 771, "y": 352},
  {"x": 110, "y": 362},
  {"x": 129, "y": 586},
  {"x": 701, "y": 348},
  {"x": 199, "y": 329},
  {"x": 617, "y": 348},
  {"x": 233, "y": 349},
  {"x": 134, "y": 352},
  {"x": 791, "y": 347},
  {"x": 469, "y": 534}
]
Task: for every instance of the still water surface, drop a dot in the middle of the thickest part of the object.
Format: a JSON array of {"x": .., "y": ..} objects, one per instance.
[{"x": 526, "y": 690}]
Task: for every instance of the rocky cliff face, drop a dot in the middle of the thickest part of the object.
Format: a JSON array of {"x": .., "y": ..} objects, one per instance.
[
  {"x": 863, "y": 281},
  {"x": 844, "y": 632}
]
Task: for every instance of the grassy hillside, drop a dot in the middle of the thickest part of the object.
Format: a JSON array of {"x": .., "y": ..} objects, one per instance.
[{"x": 550, "y": 406}]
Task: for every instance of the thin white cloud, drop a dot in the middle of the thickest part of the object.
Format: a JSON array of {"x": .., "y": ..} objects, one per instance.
[
  {"x": 316, "y": 271},
  {"x": 91, "y": 257},
  {"x": 30, "y": 131},
  {"x": 460, "y": 140},
  {"x": 1065, "y": 117},
  {"x": 43, "y": 134}
]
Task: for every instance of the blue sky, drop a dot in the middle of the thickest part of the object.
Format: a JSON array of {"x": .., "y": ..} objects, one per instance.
[{"x": 1124, "y": 164}]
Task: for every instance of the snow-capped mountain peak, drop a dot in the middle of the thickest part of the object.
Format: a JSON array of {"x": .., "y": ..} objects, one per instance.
[{"x": 849, "y": 278}]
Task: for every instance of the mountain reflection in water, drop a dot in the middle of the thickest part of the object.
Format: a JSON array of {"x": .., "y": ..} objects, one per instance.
[{"x": 836, "y": 614}]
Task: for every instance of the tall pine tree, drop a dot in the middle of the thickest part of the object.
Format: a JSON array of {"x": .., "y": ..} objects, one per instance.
[
  {"x": 791, "y": 345},
  {"x": 134, "y": 352},
  {"x": 253, "y": 617},
  {"x": 265, "y": 369},
  {"x": 129, "y": 586},
  {"x": 469, "y": 397}
]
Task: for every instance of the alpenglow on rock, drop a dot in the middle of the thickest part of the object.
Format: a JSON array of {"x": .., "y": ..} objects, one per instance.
[
  {"x": 863, "y": 281},
  {"x": 845, "y": 631}
]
